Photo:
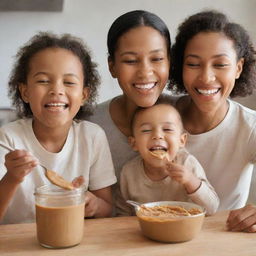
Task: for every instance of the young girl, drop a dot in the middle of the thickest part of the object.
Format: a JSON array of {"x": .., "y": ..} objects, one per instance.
[
  {"x": 139, "y": 58},
  {"x": 52, "y": 85},
  {"x": 164, "y": 170},
  {"x": 213, "y": 60}
]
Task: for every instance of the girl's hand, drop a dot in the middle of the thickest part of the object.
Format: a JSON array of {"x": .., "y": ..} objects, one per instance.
[
  {"x": 91, "y": 204},
  {"x": 19, "y": 163},
  {"x": 78, "y": 181},
  {"x": 184, "y": 176},
  {"x": 243, "y": 219}
]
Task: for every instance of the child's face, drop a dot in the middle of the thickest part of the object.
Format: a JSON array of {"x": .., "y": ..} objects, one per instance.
[
  {"x": 54, "y": 89},
  {"x": 209, "y": 70},
  {"x": 141, "y": 65},
  {"x": 157, "y": 128}
]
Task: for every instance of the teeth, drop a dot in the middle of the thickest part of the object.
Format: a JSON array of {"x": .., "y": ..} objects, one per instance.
[
  {"x": 158, "y": 148},
  {"x": 56, "y": 104},
  {"x": 208, "y": 92},
  {"x": 145, "y": 86}
]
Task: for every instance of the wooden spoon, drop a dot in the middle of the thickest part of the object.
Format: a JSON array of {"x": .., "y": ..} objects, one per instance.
[{"x": 52, "y": 176}]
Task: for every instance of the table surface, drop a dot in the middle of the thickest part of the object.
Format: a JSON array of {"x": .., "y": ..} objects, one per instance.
[{"x": 122, "y": 236}]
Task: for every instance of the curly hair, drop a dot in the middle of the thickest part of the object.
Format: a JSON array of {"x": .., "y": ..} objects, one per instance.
[
  {"x": 39, "y": 42},
  {"x": 213, "y": 21}
]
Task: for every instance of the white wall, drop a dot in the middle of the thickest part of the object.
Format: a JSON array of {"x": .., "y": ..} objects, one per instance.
[{"x": 91, "y": 21}]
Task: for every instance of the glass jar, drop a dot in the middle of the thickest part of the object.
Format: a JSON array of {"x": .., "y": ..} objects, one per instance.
[{"x": 59, "y": 216}]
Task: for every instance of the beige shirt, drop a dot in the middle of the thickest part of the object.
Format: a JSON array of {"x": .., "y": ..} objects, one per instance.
[{"x": 137, "y": 186}]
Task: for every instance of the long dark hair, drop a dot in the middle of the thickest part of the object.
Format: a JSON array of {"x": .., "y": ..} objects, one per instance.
[{"x": 135, "y": 19}]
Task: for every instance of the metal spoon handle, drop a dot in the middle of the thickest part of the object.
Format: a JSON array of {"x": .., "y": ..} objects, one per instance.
[
  {"x": 133, "y": 203},
  {"x": 6, "y": 147},
  {"x": 12, "y": 149}
]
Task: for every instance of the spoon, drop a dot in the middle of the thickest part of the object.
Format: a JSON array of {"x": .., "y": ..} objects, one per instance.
[
  {"x": 52, "y": 176},
  {"x": 134, "y": 203}
]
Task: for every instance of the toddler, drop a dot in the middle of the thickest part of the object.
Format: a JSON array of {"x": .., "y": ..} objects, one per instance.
[{"x": 164, "y": 170}]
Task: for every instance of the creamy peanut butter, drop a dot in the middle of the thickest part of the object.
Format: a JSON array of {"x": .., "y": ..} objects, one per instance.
[
  {"x": 57, "y": 180},
  {"x": 59, "y": 227}
]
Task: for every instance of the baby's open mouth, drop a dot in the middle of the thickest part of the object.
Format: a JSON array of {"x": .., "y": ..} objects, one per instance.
[{"x": 159, "y": 152}]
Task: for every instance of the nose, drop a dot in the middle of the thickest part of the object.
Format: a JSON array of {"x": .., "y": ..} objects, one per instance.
[
  {"x": 56, "y": 88},
  {"x": 145, "y": 69},
  {"x": 207, "y": 75},
  {"x": 157, "y": 134}
]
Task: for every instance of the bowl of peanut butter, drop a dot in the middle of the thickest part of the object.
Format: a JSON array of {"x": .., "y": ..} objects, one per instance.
[{"x": 170, "y": 221}]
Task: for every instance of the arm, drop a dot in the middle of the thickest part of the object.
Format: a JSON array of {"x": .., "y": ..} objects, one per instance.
[
  {"x": 200, "y": 191},
  {"x": 184, "y": 176},
  {"x": 243, "y": 219},
  {"x": 102, "y": 175},
  {"x": 18, "y": 163},
  {"x": 98, "y": 203}
]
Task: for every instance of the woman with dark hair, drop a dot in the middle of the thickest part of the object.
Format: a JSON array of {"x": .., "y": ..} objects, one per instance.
[
  {"x": 213, "y": 61},
  {"x": 139, "y": 58}
]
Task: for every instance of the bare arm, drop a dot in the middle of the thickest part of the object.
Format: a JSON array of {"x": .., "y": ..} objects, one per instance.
[
  {"x": 98, "y": 203},
  {"x": 18, "y": 163},
  {"x": 8, "y": 188}
]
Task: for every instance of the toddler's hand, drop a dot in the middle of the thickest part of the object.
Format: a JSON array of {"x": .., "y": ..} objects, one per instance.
[
  {"x": 19, "y": 163},
  {"x": 184, "y": 176},
  {"x": 178, "y": 172},
  {"x": 91, "y": 204}
]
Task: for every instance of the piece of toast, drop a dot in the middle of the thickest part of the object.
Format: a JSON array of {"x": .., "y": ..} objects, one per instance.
[{"x": 160, "y": 154}]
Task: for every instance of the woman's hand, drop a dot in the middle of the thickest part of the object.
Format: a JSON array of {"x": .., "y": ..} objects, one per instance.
[
  {"x": 19, "y": 163},
  {"x": 243, "y": 219}
]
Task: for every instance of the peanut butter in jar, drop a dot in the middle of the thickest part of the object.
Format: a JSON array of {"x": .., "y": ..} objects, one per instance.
[{"x": 59, "y": 216}]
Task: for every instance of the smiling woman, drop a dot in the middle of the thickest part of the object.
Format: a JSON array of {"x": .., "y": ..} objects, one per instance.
[
  {"x": 214, "y": 60},
  {"x": 139, "y": 58}
]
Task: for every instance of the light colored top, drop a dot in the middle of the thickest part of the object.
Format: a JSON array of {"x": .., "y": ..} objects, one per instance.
[
  {"x": 85, "y": 152},
  {"x": 228, "y": 154},
  {"x": 137, "y": 186},
  {"x": 120, "y": 149}
]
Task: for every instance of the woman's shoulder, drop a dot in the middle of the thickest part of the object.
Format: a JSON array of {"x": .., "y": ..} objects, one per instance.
[
  {"x": 242, "y": 112},
  {"x": 101, "y": 108},
  {"x": 101, "y": 113}
]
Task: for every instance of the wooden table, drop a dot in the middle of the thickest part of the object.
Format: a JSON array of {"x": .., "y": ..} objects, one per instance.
[{"x": 121, "y": 236}]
